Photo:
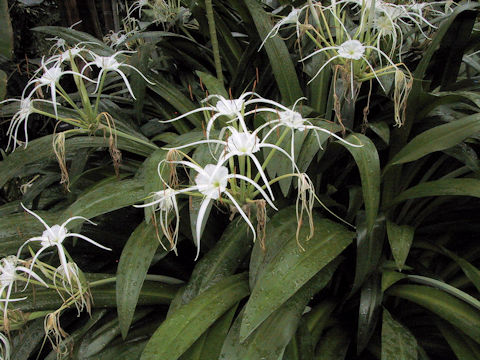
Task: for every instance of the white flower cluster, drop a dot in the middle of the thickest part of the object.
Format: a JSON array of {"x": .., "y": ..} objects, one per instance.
[
  {"x": 230, "y": 177},
  {"x": 370, "y": 45},
  {"x": 66, "y": 278},
  {"x": 48, "y": 76}
]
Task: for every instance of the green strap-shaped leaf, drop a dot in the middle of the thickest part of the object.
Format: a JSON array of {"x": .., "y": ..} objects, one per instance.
[
  {"x": 6, "y": 32},
  {"x": 334, "y": 344},
  {"x": 152, "y": 293},
  {"x": 447, "y": 288},
  {"x": 472, "y": 272},
  {"x": 391, "y": 277},
  {"x": 260, "y": 258},
  {"x": 368, "y": 310},
  {"x": 369, "y": 249},
  {"x": 318, "y": 317},
  {"x": 214, "y": 86},
  {"x": 3, "y": 85},
  {"x": 269, "y": 340},
  {"x": 282, "y": 65},
  {"x": 25, "y": 343},
  {"x": 397, "y": 342},
  {"x": 301, "y": 345},
  {"x": 445, "y": 26},
  {"x": 105, "y": 198},
  {"x": 291, "y": 268},
  {"x": 74, "y": 37},
  {"x": 448, "y": 307},
  {"x": 438, "y": 138},
  {"x": 452, "y": 187},
  {"x": 41, "y": 150},
  {"x": 221, "y": 261},
  {"x": 400, "y": 238},
  {"x": 209, "y": 345},
  {"x": 368, "y": 163},
  {"x": 135, "y": 260},
  {"x": 97, "y": 340},
  {"x": 462, "y": 346},
  {"x": 180, "y": 102},
  {"x": 178, "y": 332}
]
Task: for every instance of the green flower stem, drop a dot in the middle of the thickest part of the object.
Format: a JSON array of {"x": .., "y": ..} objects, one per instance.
[
  {"x": 277, "y": 179},
  {"x": 213, "y": 39},
  {"x": 243, "y": 186},
  {"x": 381, "y": 71},
  {"x": 314, "y": 13},
  {"x": 99, "y": 91},
  {"x": 233, "y": 184},
  {"x": 64, "y": 95},
  {"x": 83, "y": 91},
  {"x": 272, "y": 152},
  {"x": 68, "y": 121},
  {"x": 327, "y": 27}
]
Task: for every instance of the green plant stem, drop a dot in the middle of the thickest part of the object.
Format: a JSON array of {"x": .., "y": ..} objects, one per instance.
[
  {"x": 68, "y": 121},
  {"x": 272, "y": 152},
  {"x": 99, "y": 92},
  {"x": 213, "y": 39}
]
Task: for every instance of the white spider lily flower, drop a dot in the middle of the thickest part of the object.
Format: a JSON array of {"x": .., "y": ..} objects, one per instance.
[
  {"x": 67, "y": 55},
  {"x": 60, "y": 43},
  {"x": 9, "y": 273},
  {"x": 164, "y": 201},
  {"x": 234, "y": 109},
  {"x": 21, "y": 116},
  {"x": 352, "y": 50},
  {"x": 50, "y": 78},
  {"x": 115, "y": 39},
  {"x": 110, "y": 63},
  {"x": 293, "y": 17},
  {"x": 53, "y": 236},
  {"x": 137, "y": 5},
  {"x": 4, "y": 347},
  {"x": 295, "y": 121},
  {"x": 244, "y": 144},
  {"x": 212, "y": 181}
]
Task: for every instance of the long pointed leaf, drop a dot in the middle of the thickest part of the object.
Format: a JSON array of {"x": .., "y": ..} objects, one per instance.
[
  {"x": 291, "y": 268},
  {"x": 176, "y": 334}
]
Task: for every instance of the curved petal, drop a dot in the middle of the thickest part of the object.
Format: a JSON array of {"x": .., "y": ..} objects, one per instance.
[
  {"x": 38, "y": 217},
  {"x": 83, "y": 237},
  {"x": 242, "y": 213},
  {"x": 75, "y": 218},
  {"x": 205, "y": 108},
  {"x": 198, "y": 227},
  {"x": 262, "y": 175},
  {"x": 260, "y": 190}
]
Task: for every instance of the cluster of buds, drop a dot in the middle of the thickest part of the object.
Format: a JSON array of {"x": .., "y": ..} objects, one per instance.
[{"x": 236, "y": 174}]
